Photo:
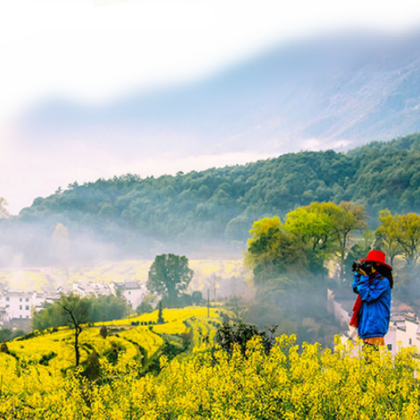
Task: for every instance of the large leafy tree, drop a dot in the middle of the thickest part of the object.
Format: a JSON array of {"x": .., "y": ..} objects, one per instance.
[
  {"x": 399, "y": 234},
  {"x": 325, "y": 229},
  {"x": 169, "y": 275},
  {"x": 409, "y": 236},
  {"x": 346, "y": 218},
  {"x": 272, "y": 250},
  {"x": 314, "y": 226},
  {"x": 388, "y": 234},
  {"x": 285, "y": 283}
]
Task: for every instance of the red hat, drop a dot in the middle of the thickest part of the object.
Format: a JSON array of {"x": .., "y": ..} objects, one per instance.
[{"x": 376, "y": 256}]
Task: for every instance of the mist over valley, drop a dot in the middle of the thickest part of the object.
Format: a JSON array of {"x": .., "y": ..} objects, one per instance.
[{"x": 337, "y": 95}]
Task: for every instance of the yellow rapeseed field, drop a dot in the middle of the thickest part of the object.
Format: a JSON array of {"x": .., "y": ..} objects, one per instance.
[{"x": 290, "y": 382}]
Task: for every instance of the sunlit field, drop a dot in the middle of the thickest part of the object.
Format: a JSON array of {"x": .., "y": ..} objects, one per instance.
[{"x": 203, "y": 381}]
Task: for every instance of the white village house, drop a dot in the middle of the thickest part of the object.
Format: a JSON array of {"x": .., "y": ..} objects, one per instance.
[
  {"x": 133, "y": 291},
  {"x": 18, "y": 305},
  {"x": 84, "y": 289}
]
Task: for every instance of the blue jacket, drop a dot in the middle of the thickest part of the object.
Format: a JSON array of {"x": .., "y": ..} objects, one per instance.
[{"x": 375, "y": 311}]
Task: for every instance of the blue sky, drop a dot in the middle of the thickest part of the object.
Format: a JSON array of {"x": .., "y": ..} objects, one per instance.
[{"x": 95, "y": 52}]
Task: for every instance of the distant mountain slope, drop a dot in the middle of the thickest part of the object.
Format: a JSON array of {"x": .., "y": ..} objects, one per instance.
[
  {"x": 191, "y": 211},
  {"x": 318, "y": 95}
]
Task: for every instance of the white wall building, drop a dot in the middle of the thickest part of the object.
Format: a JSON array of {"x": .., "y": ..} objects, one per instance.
[
  {"x": 19, "y": 305},
  {"x": 133, "y": 291},
  {"x": 96, "y": 289},
  {"x": 404, "y": 331}
]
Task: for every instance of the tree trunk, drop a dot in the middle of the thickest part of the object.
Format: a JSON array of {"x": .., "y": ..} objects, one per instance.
[{"x": 77, "y": 332}]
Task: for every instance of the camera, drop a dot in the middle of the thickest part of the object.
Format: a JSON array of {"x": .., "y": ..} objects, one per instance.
[{"x": 366, "y": 266}]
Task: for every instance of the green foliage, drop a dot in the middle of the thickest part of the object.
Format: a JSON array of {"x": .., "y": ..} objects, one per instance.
[
  {"x": 272, "y": 250},
  {"x": 387, "y": 234},
  {"x": 7, "y": 334},
  {"x": 92, "y": 370},
  {"x": 170, "y": 276},
  {"x": 147, "y": 304},
  {"x": 229, "y": 335},
  {"x": 45, "y": 359},
  {"x": 160, "y": 316},
  {"x": 113, "y": 353},
  {"x": 288, "y": 264},
  {"x": 50, "y": 316},
  {"x": 103, "y": 331},
  {"x": 101, "y": 308},
  {"x": 399, "y": 234},
  {"x": 108, "y": 307},
  {"x": 197, "y": 298},
  {"x": 310, "y": 235},
  {"x": 4, "y": 348}
]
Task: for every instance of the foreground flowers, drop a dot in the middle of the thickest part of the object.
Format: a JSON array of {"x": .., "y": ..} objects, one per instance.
[{"x": 288, "y": 383}]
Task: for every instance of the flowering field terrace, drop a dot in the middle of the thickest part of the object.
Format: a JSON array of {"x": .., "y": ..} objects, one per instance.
[{"x": 289, "y": 383}]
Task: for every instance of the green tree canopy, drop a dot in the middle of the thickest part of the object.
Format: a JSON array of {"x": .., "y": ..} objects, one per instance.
[
  {"x": 348, "y": 218},
  {"x": 314, "y": 225},
  {"x": 387, "y": 234},
  {"x": 169, "y": 275},
  {"x": 273, "y": 250},
  {"x": 399, "y": 234},
  {"x": 409, "y": 236}
]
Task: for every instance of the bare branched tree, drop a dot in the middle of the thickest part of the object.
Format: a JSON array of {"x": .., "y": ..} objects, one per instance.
[{"x": 77, "y": 312}]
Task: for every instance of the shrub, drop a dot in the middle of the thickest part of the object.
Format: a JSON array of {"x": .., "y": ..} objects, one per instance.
[
  {"x": 103, "y": 331},
  {"x": 240, "y": 333}
]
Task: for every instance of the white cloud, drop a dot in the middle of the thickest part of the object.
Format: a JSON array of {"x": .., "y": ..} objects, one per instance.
[{"x": 95, "y": 51}]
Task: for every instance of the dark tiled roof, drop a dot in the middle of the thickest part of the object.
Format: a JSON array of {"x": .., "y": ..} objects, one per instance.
[{"x": 131, "y": 285}]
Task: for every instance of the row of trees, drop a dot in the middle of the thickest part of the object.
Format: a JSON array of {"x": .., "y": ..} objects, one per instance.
[
  {"x": 97, "y": 308},
  {"x": 399, "y": 234},
  {"x": 309, "y": 236},
  {"x": 289, "y": 260},
  {"x": 314, "y": 234}
]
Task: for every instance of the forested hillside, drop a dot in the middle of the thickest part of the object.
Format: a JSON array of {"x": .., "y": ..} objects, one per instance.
[{"x": 220, "y": 205}]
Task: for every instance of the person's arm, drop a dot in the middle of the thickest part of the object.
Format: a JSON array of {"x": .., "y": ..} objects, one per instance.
[
  {"x": 371, "y": 291},
  {"x": 356, "y": 280}
]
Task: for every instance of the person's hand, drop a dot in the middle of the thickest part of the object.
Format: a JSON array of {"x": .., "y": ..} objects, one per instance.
[{"x": 362, "y": 272}]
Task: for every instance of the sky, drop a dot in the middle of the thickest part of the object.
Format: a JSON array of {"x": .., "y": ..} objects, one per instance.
[{"x": 95, "y": 52}]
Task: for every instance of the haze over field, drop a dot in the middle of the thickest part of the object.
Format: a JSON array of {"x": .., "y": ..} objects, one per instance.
[{"x": 222, "y": 278}]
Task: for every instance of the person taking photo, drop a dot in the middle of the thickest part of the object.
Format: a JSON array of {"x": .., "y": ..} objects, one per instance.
[{"x": 372, "y": 281}]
